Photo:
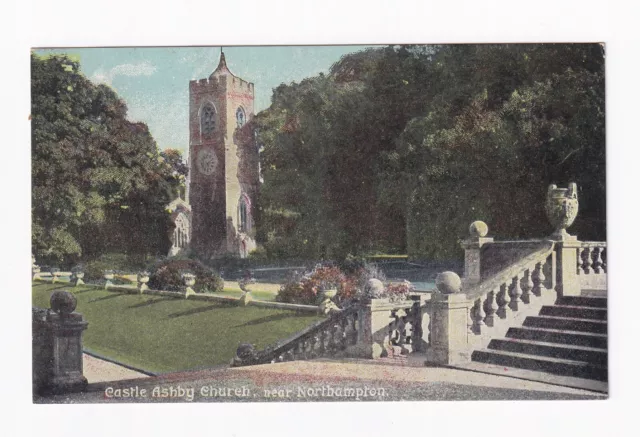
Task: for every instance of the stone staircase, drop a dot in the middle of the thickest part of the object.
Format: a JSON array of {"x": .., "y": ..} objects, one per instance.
[{"x": 568, "y": 339}]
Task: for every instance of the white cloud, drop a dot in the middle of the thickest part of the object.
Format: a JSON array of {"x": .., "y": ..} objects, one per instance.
[{"x": 141, "y": 69}]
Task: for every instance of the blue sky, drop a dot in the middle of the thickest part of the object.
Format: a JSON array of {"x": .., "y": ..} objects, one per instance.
[{"x": 155, "y": 81}]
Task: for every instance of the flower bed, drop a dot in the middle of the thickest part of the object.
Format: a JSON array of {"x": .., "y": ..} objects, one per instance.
[{"x": 307, "y": 289}]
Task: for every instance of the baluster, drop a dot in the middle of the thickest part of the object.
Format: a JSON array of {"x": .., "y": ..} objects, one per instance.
[
  {"x": 470, "y": 320},
  {"x": 597, "y": 262},
  {"x": 588, "y": 262},
  {"x": 336, "y": 337},
  {"x": 492, "y": 307},
  {"x": 478, "y": 316},
  {"x": 416, "y": 327},
  {"x": 579, "y": 268},
  {"x": 401, "y": 329},
  {"x": 353, "y": 323},
  {"x": 313, "y": 346},
  {"x": 604, "y": 260},
  {"x": 538, "y": 279},
  {"x": 301, "y": 350},
  {"x": 516, "y": 293},
  {"x": 321, "y": 342},
  {"x": 289, "y": 355},
  {"x": 527, "y": 286},
  {"x": 344, "y": 323},
  {"x": 505, "y": 300}
]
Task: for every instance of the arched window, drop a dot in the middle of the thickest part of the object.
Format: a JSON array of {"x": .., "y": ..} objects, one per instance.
[
  {"x": 208, "y": 119},
  {"x": 244, "y": 214},
  {"x": 241, "y": 118}
]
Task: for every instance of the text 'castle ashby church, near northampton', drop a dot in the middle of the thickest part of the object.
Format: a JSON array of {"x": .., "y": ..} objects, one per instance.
[{"x": 218, "y": 217}]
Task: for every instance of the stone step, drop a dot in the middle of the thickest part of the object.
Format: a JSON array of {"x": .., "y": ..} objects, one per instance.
[
  {"x": 560, "y": 336},
  {"x": 532, "y": 375},
  {"x": 583, "y": 301},
  {"x": 571, "y": 352},
  {"x": 557, "y": 366},
  {"x": 567, "y": 323},
  {"x": 577, "y": 312}
]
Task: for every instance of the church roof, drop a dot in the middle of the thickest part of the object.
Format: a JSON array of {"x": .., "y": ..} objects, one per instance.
[{"x": 222, "y": 69}]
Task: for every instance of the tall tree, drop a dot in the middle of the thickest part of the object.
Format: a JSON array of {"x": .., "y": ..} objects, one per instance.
[{"x": 99, "y": 182}]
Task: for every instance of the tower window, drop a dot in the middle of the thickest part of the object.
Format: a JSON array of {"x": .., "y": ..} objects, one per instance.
[
  {"x": 244, "y": 214},
  {"x": 240, "y": 117},
  {"x": 208, "y": 119}
]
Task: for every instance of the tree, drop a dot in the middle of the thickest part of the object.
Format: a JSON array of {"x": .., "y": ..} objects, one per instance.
[
  {"x": 400, "y": 148},
  {"x": 98, "y": 180}
]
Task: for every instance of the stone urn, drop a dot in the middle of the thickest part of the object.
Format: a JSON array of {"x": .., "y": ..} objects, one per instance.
[
  {"x": 143, "y": 279},
  {"x": 108, "y": 275},
  {"x": 327, "y": 305},
  {"x": 55, "y": 274},
  {"x": 562, "y": 209},
  {"x": 189, "y": 280},
  {"x": 77, "y": 278}
]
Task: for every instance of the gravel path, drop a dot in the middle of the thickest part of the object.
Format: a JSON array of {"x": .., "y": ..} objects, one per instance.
[
  {"x": 324, "y": 381},
  {"x": 97, "y": 370}
]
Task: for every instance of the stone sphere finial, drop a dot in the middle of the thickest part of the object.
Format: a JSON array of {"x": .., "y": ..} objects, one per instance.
[
  {"x": 448, "y": 283},
  {"x": 374, "y": 288},
  {"x": 63, "y": 302},
  {"x": 478, "y": 229}
]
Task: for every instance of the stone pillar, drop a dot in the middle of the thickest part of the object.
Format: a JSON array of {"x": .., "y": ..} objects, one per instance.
[
  {"x": 373, "y": 337},
  {"x": 57, "y": 346},
  {"x": 449, "y": 322},
  {"x": 567, "y": 279},
  {"x": 472, "y": 245}
]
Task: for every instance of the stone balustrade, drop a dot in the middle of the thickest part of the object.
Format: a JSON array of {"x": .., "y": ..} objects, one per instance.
[
  {"x": 504, "y": 283},
  {"x": 329, "y": 337},
  {"x": 591, "y": 265}
]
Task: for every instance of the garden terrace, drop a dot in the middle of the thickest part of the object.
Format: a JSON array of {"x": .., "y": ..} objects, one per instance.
[{"x": 162, "y": 334}]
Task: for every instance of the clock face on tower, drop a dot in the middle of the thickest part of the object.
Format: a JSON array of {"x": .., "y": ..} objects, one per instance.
[{"x": 207, "y": 161}]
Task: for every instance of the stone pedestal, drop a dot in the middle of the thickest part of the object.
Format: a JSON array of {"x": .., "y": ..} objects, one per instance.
[
  {"x": 57, "y": 347},
  {"x": 373, "y": 336},
  {"x": 245, "y": 298},
  {"x": 449, "y": 330},
  {"x": 472, "y": 245},
  {"x": 567, "y": 280}
]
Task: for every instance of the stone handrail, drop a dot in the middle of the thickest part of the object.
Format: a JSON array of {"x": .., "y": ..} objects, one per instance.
[
  {"x": 509, "y": 290},
  {"x": 489, "y": 284},
  {"x": 327, "y": 337}
]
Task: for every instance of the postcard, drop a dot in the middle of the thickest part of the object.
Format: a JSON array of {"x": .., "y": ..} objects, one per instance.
[{"x": 319, "y": 223}]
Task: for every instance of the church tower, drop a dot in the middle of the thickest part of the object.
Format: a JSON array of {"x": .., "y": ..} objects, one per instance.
[{"x": 223, "y": 164}]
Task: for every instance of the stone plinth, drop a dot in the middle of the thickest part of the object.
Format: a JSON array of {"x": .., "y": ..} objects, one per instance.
[
  {"x": 448, "y": 329},
  {"x": 568, "y": 281},
  {"x": 373, "y": 335},
  {"x": 472, "y": 246},
  {"x": 57, "y": 347}
]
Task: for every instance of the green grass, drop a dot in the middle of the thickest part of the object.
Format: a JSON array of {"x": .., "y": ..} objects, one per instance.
[{"x": 164, "y": 334}]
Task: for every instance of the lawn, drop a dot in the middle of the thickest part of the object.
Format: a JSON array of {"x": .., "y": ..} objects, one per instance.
[{"x": 163, "y": 334}]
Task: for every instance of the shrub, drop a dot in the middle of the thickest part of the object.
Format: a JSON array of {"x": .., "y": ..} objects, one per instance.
[
  {"x": 118, "y": 262},
  {"x": 307, "y": 289},
  {"x": 167, "y": 275}
]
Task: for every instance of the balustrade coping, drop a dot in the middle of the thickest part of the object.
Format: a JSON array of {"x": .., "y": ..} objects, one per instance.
[
  {"x": 593, "y": 244},
  {"x": 500, "y": 278},
  {"x": 522, "y": 242}
]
